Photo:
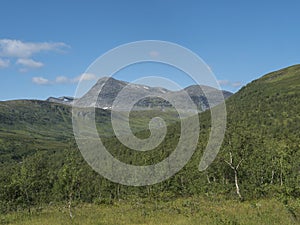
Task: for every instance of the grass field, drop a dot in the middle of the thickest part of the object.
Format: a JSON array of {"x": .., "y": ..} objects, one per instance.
[{"x": 182, "y": 211}]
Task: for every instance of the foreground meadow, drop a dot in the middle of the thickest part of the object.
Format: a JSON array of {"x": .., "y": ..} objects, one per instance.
[{"x": 181, "y": 211}]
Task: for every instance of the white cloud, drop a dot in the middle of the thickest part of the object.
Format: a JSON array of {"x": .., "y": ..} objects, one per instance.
[
  {"x": 19, "y": 49},
  {"x": 29, "y": 63},
  {"x": 23, "y": 70},
  {"x": 223, "y": 82},
  {"x": 4, "y": 63},
  {"x": 82, "y": 77},
  {"x": 64, "y": 79},
  {"x": 40, "y": 80},
  {"x": 85, "y": 77},
  {"x": 236, "y": 84},
  {"x": 11, "y": 49},
  {"x": 230, "y": 84}
]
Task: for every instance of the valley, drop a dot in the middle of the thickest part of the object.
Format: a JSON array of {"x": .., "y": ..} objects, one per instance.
[{"x": 258, "y": 164}]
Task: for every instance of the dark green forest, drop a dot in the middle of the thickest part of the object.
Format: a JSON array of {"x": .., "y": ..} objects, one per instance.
[{"x": 260, "y": 156}]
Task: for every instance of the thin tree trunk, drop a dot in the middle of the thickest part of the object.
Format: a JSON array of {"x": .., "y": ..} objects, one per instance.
[
  {"x": 237, "y": 184},
  {"x": 181, "y": 181},
  {"x": 28, "y": 202},
  {"x": 281, "y": 173},
  {"x": 235, "y": 169},
  {"x": 208, "y": 180},
  {"x": 272, "y": 178},
  {"x": 118, "y": 192},
  {"x": 148, "y": 190},
  {"x": 70, "y": 206}
]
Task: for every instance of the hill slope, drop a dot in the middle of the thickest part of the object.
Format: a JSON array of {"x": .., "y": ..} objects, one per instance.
[
  {"x": 259, "y": 156},
  {"x": 263, "y": 134}
]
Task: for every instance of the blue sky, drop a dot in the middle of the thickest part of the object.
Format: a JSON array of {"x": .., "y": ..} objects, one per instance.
[{"x": 45, "y": 46}]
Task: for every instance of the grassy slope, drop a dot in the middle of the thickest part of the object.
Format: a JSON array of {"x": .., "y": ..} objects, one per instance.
[{"x": 28, "y": 126}]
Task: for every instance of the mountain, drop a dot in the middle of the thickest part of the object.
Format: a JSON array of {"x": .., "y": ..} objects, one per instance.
[
  {"x": 62, "y": 100},
  {"x": 259, "y": 157},
  {"x": 110, "y": 88},
  {"x": 196, "y": 93}
]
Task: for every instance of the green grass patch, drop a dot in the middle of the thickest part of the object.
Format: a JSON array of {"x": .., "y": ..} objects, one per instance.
[{"x": 181, "y": 211}]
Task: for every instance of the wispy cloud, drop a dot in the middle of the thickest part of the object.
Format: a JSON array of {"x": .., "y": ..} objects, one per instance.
[
  {"x": 236, "y": 84},
  {"x": 19, "y": 49},
  {"x": 229, "y": 83},
  {"x": 40, "y": 80},
  {"x": 4, "y": 63},
  {"x": 64, "y": 79},
  {"x": 223, "y": 82},
  {"x": 85, "y": 77},
  {"x": 22, "y": 52},
  {"x": 29, "y": 63}
]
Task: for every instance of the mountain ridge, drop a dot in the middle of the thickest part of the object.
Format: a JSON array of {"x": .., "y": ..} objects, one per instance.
[{"x": 111, "y": 87}]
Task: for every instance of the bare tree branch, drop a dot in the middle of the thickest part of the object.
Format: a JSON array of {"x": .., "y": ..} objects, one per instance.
[
  {"x": 232, "y": 167},
  {"x": 239, "y": 164}
]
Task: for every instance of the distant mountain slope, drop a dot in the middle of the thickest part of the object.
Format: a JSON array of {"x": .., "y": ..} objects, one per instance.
[
  {"x": 197, "y": 94},
  {"x": 28, "y": 126},
  {"x": 62, "y": 100},
  {"x": 111, "y": 87},
  {"x": 39, "y": 117}
]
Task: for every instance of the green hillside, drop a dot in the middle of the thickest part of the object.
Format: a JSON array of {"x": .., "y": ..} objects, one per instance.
[
  {"x": 263, "y": 131},
  {"x": 259, "y": 158},
  {"x": 29, "y": 126}
]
